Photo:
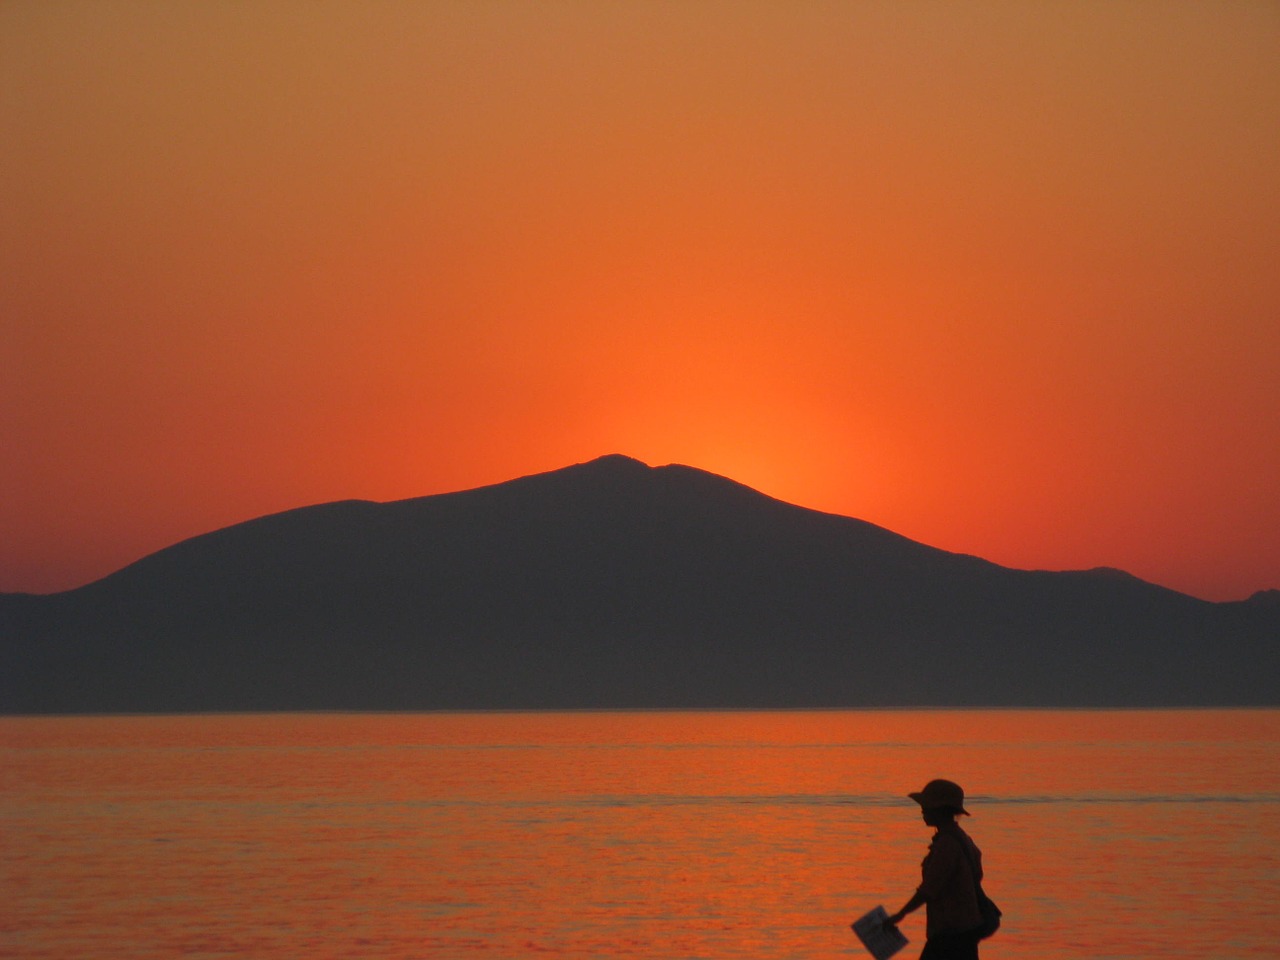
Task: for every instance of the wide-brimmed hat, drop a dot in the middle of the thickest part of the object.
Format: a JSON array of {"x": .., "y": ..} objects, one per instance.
[{"x": 940, "y": 794}]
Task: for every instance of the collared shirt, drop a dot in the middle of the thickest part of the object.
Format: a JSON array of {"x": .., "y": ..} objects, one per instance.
[{"x": 948, "y": 883}]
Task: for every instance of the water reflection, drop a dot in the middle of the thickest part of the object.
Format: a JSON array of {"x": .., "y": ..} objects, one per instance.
[{"x": 595, "y": 834}]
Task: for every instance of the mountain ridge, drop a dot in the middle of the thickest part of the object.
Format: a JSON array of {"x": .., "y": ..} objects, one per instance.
[{"x": 611, "y": 583}]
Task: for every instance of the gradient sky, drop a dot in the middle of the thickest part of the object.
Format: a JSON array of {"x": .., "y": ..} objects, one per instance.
[{"x": 1002, "y": 277}]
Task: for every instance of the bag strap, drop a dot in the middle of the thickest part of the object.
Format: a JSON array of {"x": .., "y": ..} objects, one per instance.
[{"x": 973, "y": 869}]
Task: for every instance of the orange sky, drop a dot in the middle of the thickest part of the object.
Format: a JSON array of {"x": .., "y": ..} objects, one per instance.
[{"x": 1001, "y": 277}]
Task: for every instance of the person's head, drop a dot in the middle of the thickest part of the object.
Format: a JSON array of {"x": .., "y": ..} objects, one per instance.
[
  {"x": 937, "y": 816},
  {"x": 941, "y": 801}
]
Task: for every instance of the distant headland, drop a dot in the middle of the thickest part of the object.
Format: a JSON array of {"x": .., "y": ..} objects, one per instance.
[{"x": 613, "y": 584}]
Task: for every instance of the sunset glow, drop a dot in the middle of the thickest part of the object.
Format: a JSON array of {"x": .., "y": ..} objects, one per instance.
[{"x": 1000, "y": 277}]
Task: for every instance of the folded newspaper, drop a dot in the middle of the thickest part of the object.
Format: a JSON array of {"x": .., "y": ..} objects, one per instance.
[{"x": 880, "y": 938}]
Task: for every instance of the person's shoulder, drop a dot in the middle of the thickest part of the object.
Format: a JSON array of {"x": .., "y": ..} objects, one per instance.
[
  {"x": 964, "y": 843},
  {"x": 947, "y": 839}
]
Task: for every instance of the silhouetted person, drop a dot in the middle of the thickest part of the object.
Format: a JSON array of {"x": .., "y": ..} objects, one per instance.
[{"x": 949, "y": 878}]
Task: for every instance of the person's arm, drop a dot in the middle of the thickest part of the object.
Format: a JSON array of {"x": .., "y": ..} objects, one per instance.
[
  {"x": 937, "y": 868},
  {"x": 915, "y": 903}
]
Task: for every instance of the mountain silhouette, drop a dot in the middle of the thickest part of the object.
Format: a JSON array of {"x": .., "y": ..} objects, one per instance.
[{"x": 613, "y": 584}]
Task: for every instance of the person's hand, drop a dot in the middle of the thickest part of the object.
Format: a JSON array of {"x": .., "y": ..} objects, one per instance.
[{"x": 893, "y": 919}]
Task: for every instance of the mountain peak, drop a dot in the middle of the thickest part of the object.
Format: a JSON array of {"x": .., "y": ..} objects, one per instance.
[
  {"x": 614, "y": 463},
  {"x": 617, "y": 460}
]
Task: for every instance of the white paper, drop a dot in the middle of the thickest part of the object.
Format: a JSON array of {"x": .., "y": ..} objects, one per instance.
[{"x": 882, "y": 940}]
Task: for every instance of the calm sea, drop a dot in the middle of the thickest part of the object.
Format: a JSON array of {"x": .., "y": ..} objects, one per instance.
[{"x": 661, "y": 835}]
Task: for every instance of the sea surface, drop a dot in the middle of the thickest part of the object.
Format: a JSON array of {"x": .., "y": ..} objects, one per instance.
[{"x": 630, "y": 834}]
